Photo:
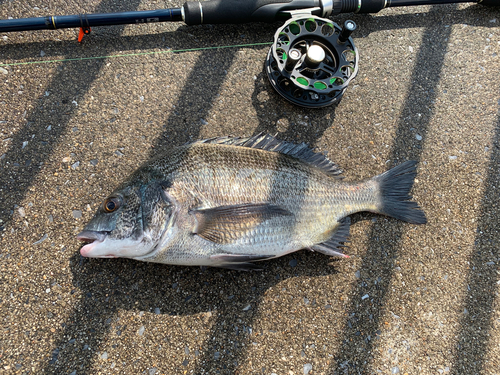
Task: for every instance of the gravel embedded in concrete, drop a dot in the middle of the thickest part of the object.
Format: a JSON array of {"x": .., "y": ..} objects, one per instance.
[{"x": 427, "y": 89}]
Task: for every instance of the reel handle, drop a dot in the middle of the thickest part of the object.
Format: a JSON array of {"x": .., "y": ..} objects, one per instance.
[{"x": 244, "y": 11}]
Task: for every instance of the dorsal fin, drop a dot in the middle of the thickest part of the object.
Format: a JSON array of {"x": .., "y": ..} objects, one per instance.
[{"x": 269, "y": 143}]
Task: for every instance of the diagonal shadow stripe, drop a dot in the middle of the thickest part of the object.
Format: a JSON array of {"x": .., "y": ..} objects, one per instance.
[
  {"x": 355, "y": 355},
  {"x": 92, "y": 313},
  {"x": 471, "y": 354},
  {"x": 21, "y": 166},
  {"x": 231, "y": 334}
]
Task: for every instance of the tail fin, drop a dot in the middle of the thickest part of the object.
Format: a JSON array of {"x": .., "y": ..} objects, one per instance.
[{"x": 395, "y": 185}]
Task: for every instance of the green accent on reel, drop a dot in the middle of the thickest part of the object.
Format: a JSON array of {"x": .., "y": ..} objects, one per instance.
[
  {"x": 303, "y": 81},
  {"x": 320, "y": 85}
]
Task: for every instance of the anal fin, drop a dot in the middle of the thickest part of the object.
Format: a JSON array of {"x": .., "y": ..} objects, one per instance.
[{"x": 337, "y": 241}]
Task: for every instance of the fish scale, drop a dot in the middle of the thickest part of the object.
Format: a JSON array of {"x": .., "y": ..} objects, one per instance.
[{"x": 227, "y": 202}]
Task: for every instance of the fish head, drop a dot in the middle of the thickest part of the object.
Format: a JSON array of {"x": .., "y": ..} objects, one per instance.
[{"x": 129, "y": 223}]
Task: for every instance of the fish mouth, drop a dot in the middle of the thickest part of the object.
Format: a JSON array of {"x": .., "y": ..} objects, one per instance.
[{"x": 92, "y": 239}]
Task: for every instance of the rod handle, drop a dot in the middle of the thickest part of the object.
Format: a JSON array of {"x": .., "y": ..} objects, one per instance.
[
  {"x": 490, "y": 3},
  {"x": 239, "y": 11}
]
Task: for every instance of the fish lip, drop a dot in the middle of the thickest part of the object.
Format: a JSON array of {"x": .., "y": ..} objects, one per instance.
[{"x": 91, "y": 236}]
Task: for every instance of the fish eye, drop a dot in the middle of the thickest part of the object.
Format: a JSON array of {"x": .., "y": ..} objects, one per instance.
[{"x": 111, "y": 204}]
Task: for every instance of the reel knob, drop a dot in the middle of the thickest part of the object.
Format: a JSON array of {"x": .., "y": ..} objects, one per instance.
[
  {"x": 315, "y": 55},
  {"x": 312, "y": 61}
]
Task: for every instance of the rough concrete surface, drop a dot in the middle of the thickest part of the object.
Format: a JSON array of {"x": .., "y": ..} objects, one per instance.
[{"x": 410, "y": 300}]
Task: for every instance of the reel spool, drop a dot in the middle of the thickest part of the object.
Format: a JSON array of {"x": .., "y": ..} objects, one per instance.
[{"x": 312, "y": 61}]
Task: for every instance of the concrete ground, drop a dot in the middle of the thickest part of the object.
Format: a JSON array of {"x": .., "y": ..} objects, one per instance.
[{"x": 410, "y": 300}]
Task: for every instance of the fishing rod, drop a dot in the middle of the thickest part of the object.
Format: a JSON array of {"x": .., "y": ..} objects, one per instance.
[{"x": 312, "y": 59}]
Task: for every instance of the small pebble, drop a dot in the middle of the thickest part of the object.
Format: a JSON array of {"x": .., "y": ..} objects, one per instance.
[
  {"x": 186, "y": 350},
  {"x": 153, "y": 370},
  {"x": 119, "y": 153},
  {"x": 42, "y": 54},
  {"x": 157, "y": 311},
  {"x": 293, "y": 263},
  {"x": 203, "y": 121},
  {"x": 21, "y": 211},
  {"x": 104, "y": 355},
  {"x": 452, "y": 157},
  {"x": 75, "y": 165},
  {"x": 140, "y": 332},
  {"x": 141, "y": 98},
  {"x": 49, "y": 127},
  {"x": 72, "y": 373},
  {"x": 419, "y": 137},
  {"x": 25, "y": 143},
  {"x": 94, "y": 162},
  {"x": 246, "y": 308},
  {"x": 44, "y": 237},
  {"x": 395, "y": 370},
  {"x": 365, "y": 297},
  {"x": 3, "y": 70},
  {"x": 77, "y": 214},
  {"x": 216, "y": 355},
  {"x": 357, "y": 274},
  {"x": 307, "y": 368}
]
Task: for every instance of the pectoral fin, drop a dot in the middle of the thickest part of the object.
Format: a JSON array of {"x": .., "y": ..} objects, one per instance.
[
  {"x": 339, "y": 238},
  {"x": 227, "y": 224}
]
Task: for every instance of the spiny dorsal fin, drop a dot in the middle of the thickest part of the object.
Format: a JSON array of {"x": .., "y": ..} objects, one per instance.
[{"x": 269, "y": 143}]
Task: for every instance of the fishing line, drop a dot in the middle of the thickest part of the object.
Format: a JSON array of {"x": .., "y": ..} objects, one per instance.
[{"x": 135, "y": 54}]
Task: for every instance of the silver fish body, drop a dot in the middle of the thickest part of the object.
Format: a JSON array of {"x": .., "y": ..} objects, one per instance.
[{"x": 227, "y": 202}]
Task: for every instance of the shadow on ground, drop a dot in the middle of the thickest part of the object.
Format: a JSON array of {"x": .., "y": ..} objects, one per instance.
[
  {"x": 107, "y": 286},
  {"x": 472, "y": 351},
  {"x": 364, "y": 323}
]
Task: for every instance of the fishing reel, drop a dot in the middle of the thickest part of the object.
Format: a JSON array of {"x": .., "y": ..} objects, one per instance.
[{"x": 312, "y": 61}]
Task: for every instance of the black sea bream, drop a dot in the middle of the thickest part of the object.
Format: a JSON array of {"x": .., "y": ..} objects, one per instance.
[{"x": 227, "y": 202}]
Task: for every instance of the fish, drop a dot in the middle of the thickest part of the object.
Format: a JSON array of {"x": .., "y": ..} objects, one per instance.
[{"x": 232, "y": 202}]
